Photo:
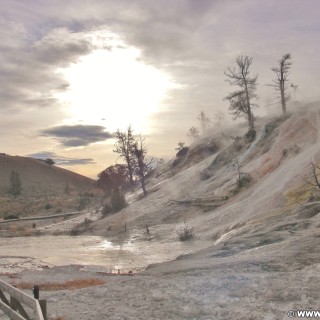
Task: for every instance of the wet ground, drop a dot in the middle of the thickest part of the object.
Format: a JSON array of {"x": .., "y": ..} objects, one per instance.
[{"x": 37, "y": 253}]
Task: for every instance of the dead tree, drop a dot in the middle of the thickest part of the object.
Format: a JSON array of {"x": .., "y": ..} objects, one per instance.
[
  {"x": 239, "y": 172},
  {"x": 193, "y": 133},
  {"x": 180, "y": 146},
  {"x": 142, "y": 167},
  {"x": 241, "y": 100},
  {"x": 124, "y": 147},
  {"x": 280, "y": 83},
  {"x": 243, "y": 177},
  {"x": 219, "y": 117},
  {"x": 204, "y": 122}
]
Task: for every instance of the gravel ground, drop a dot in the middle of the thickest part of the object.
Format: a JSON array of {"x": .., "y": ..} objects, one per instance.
[{"x": 238, "y": 289}]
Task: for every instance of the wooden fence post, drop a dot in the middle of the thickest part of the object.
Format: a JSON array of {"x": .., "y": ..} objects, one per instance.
[
  {"x": 12, "y": 306},
  {"x": 36, "y": 292},
  {"x": 43, "y": 305}
]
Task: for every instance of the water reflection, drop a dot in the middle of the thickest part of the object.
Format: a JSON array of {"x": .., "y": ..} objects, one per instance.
[
  {"x": 106, "y": 244},
  {"x": 110, "y": 256}
]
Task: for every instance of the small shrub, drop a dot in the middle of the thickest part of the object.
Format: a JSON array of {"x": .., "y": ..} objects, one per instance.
[
  {"x": 74, "y": 232},
  {"x": 48, "y": 206},
  {"x": 107, "y": 209},
  {"x": 274, "y": 123},
  {"x": 118, "y": 200},
  {"x": 251, "y": 135},
  {"x": 86, "y": 221},
  {"x": 140, "y": 196},
  {"x": 291, "y": 151},
  {"x": 83, "y": 202},
  {"x": 214, "y": 145},
  {"x": 115, "y": 203},
  {"x": 238, "y": 144},
  {"x": 10, "y": 217},
  {"x": 184, "y": 232},
  {"x": 205, "y": 175},
  {"x": 245, "y": 180},
  {"x": 315, "y": 196},
  {"x": 50, "y": 162}
]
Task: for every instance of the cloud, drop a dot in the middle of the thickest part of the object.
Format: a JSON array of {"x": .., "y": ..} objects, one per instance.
[
  {"x": 60, "y": 47},
  {"x": 194, "y": 49},
  {"x": 26, "y": 81},
  {"x": 29, "y": 63},
  {"x": 78, "y": 135},
  {"x": 61, "y": 160}
]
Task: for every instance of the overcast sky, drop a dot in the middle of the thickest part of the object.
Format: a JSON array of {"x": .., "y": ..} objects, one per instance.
[{"x": 72, "y": 72}]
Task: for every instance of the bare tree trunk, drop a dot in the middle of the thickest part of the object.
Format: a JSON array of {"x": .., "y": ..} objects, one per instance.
[
  {"x": 281, "y": 81},
  {"x": 250, "y": 116},
  {"x": 140, "y": 151},
  {"x": 239, "y": 172},
  {"x": 143, "y": 185},
  {"x": 130, "y": 170},
  {"x": 314, "y": 168},
  {"x": 123, "y": 146},
  {"x": 240, "y": 103},
  {"x": 251, "y": 122},
  {"x": 283, "y": 98}
]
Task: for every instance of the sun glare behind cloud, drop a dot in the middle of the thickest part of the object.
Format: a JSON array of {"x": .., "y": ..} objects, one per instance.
[{"x": 114, "y": 89}]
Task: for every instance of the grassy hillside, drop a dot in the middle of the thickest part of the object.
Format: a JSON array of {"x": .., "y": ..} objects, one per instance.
[
  {"x": 38, "y": 178},
  {"x": 45, "y": 189}
]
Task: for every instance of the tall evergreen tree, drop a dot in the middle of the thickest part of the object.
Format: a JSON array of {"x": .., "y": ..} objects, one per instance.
[
  {"x": 204, "y": 122},
  {"x": 15, "y": 184}
]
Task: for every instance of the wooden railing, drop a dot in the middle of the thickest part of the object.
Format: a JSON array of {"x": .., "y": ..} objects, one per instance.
[
  {"x": 60, "y": 215},
  {"x": 12, "y": 305}
]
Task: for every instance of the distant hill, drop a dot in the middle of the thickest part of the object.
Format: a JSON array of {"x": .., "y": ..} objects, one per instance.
[{"x": 38, "y": 179}]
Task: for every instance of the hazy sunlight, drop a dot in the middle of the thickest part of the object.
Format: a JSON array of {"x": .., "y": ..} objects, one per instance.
[{"x": 112, "y": 88}]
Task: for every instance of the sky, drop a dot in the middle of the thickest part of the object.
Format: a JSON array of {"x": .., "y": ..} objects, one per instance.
[{"x": 73, "y": 72}]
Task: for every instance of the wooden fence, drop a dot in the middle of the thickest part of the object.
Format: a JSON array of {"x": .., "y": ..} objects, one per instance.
[
  {"x": 60, "y": 215},
  {"x": 12, "y": 305}
]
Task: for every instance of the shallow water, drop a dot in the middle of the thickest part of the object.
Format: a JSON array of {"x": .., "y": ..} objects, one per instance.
[{"x": 35, "y": 253}]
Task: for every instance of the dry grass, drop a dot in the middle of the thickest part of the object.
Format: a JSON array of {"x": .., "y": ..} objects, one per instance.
[
  {"x": 43, "y": 188},
  {"x": 300, "y": 194},
  {"x": 67, "y": 285},
  {"x": 28, "y": 206},
  {"x": 40, "y": 180}
]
